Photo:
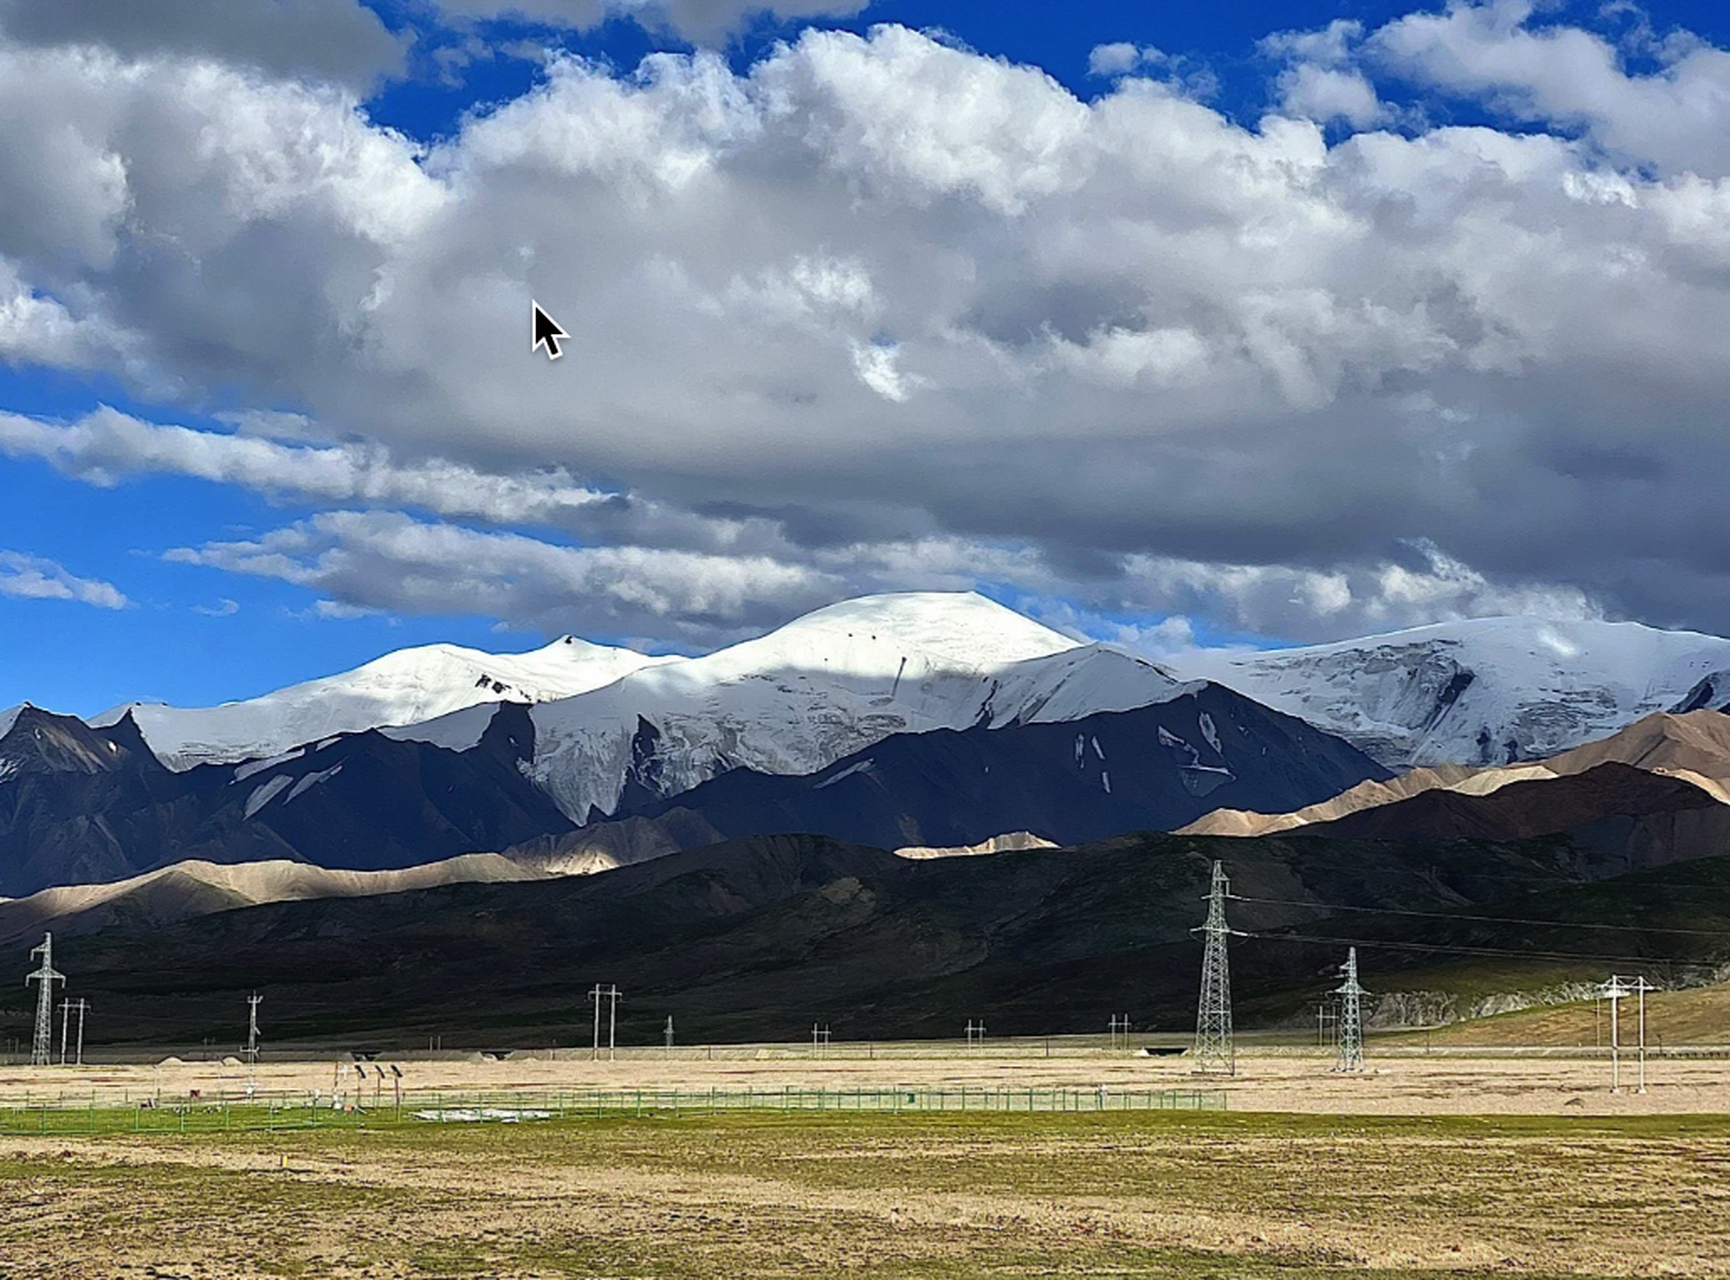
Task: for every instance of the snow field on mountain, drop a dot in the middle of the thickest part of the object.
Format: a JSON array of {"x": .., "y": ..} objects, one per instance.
[
  {"x": 826, "y": 685},
  {"x": 401, "y": 688},
  {"x": 1480, "y": 691}
]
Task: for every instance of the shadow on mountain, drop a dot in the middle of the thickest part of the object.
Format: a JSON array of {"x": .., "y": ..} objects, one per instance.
[{"x": 759, "y": 938}]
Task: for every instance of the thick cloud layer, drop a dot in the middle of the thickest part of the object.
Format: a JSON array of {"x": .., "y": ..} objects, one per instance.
[
  {"x": 703, "y": 21},
  {"x": 340, "y": 40},
  {"x": 886, "y": 312}
]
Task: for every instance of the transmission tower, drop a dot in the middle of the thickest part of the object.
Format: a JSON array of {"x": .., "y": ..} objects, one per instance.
[
  {"x": 1214, "y": 1048},
  {"x": 40, "y": 1055},
  {"x": 1351, "y": 1056}
]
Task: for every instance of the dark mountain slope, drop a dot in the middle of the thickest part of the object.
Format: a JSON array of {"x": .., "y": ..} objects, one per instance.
[
  {"x": 76, "y": 803},
  {"x": 93, "y": 805},
  {"x": 758, "y": 938},
  {"x": 83, "y": 805},
  {"x": 1156, "y": 767},
  {"x": 1621, "y": 816}
]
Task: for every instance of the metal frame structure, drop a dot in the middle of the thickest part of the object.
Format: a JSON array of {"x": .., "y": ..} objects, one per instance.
[
  {"x": 1215, "y": 1048},
  {"x": 41, "y": 1046},
  {"x": 1351, "y": 1037}
]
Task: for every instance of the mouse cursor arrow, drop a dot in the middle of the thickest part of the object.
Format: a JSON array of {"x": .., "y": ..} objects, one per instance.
[{"x": 545, "y": 333}]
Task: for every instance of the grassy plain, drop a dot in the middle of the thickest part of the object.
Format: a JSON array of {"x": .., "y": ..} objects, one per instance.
[
  {"x": 930, "y": 1196},
  {"x": 1698, "y": 1016}
]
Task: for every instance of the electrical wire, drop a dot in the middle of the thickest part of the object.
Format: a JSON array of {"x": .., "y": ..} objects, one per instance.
[
  {"x": 1502, "y": 952},
  {"x": 1449, "y": 915}
]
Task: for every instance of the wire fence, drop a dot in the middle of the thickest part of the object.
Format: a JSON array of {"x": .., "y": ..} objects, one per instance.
[{"x": 203, "y": 1116}]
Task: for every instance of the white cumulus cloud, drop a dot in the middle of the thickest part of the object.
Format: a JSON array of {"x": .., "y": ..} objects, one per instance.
[{"x": 37, "y": 578}]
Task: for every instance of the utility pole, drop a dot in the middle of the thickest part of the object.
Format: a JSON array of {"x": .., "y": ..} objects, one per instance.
[
  {"x": 1613, "y": 991},
  {"x": 1351, "y": 1057},
  {"x": 40, "y": 1055},
  {"x": 83, "y": 1007},
  {"x": 252, "y": 1003},
  {"x": 1642, "y": 986},
  {"x": 975, "y": 1033},
  {"x": 65, "y": 1018},
  {"x": 1120, "y": 1025},
  {"x": 669, "y": 1035},
  {"x": 1215, "y": 1049},
  {"x": 609, "y": 993}
]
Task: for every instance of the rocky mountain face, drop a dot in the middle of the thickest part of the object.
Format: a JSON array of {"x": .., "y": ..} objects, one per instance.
[
  {"x": 930, "y": 719},
  {"x": 85, "y": 805},
  {"x": 1153, "y": 768},
  {"x": 1479, "y": 692},
  {"x": 1015, "y": 720},
  {"x": 95, "y": 804}
]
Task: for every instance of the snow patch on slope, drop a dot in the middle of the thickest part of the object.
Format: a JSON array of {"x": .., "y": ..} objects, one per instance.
[
  {"x": 265, "y": 793},
  {"x": 458, "y": 731},
  {"x": 311, "y": 780},
  {"x": 1482, "y": 691},
  {"x": 401, "y": 688}
]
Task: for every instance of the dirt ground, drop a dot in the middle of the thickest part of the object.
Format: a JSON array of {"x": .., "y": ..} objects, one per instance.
[
  {"x": 1412, "y": 1083},
  {"x": 1431, "y": 1165},
  {"x": 937, "y": 1197}
]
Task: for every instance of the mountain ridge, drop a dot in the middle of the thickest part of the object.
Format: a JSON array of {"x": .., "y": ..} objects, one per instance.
[{"x": 1477, "y": 691}]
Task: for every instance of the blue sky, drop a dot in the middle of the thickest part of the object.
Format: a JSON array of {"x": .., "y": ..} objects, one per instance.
[{"x": 1281, "y": 324}]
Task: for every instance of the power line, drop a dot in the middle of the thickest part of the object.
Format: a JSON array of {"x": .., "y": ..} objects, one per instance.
[
  {"x": 1504, "y": 952},
  {"x": 1449, "y": 915}
]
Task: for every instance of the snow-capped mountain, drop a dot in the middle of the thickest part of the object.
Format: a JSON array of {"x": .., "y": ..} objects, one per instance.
[
  {"x": 1711, "y": 693},
  {"x": 400, "y": 689},
  {"x": 817, "y": 689},
  {"x": 1484, "y": 691}
]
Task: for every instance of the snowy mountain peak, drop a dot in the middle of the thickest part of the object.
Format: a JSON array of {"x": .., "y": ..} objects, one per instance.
[
  {"x": 873, "y": 633},
  {"x": 819, "y": 688},
  {"x": 400, "y": 688},
  {"x": 1479, "y": 691}
]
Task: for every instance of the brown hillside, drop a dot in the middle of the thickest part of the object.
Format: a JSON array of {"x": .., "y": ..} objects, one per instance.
[
  {"x": 1694, "y": 746},
  {"x": 1520, "y": 810}
]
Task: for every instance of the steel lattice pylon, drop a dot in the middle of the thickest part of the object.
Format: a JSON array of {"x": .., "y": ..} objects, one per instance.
[
  {"x": 1351, "y": 1055},
  {"x": 1214, "y": 1048},
  {"x": 40, "y": 1055}
]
